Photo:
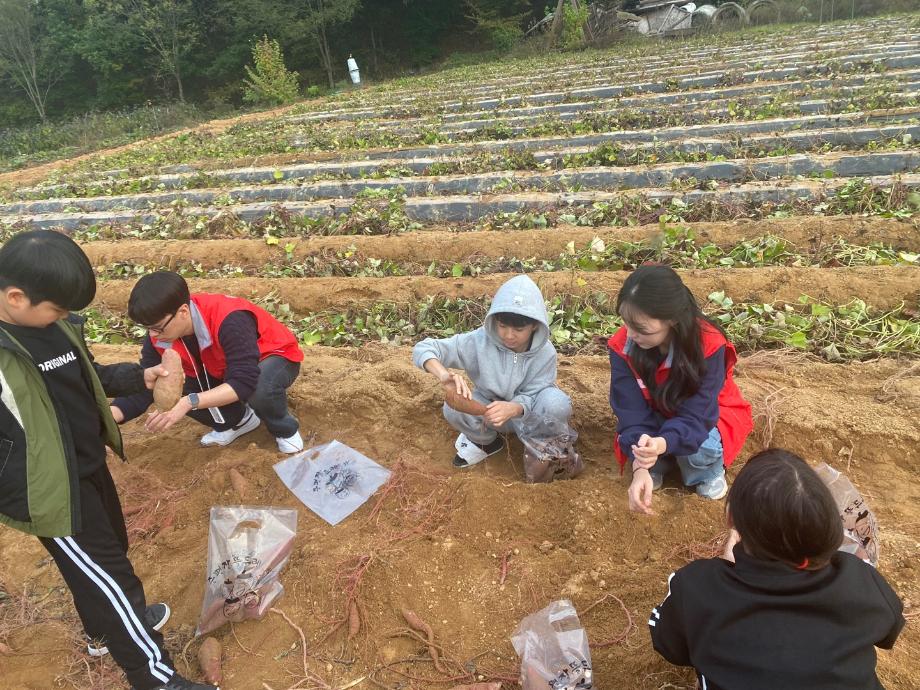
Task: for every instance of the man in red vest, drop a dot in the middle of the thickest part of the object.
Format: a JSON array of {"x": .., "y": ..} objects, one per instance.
[{"x": 238, "y": 360}]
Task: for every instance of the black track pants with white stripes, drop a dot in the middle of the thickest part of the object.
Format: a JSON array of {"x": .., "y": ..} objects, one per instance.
[{"x": 108, "y": 596}]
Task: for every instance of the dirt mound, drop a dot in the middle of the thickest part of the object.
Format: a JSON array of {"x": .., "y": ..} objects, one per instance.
[{"x": 470, "y": 552}]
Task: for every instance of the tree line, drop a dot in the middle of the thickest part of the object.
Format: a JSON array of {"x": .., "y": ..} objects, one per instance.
[{"x": 62, "y": 57}]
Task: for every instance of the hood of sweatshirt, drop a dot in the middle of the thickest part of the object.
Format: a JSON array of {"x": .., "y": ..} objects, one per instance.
[{"x": 520, "y": 295}]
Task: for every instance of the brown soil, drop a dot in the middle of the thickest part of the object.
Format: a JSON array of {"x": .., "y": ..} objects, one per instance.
[
  {"x": 569, "y": 539},
  {"x": 424, "y": 247},
  {"x": 883, "y": 287}
]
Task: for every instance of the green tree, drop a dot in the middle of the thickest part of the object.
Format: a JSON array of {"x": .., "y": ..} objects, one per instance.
[
  {"x": 270, "y": 81},
  {"x": 166, "y": 28},
  {"x": 499, "y": 20},
  {"x": 27, "y": 55},
  {"x": 320, "y": 17}
]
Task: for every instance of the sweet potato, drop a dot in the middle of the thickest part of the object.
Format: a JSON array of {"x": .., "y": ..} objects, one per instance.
[
  {"x": 354, "y": 619},
  {"x": 461, "y": 404},
  {"x": 240, "y": 484},
  {"x": 168, "y": 389},
  {"x": 209, "y": 657}
]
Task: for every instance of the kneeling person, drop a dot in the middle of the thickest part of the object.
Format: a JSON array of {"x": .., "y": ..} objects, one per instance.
[
  {"x": 512, "y": 364},
  {"x": 238, "y": 360}
]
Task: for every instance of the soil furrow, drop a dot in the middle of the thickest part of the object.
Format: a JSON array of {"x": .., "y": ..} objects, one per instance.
[{"x": 882, "y": 287}]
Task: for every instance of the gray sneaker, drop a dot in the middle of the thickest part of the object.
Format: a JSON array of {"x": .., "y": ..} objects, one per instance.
[
  {"x": 155, "y": 616},
  {"x": 713, "y": 489}
]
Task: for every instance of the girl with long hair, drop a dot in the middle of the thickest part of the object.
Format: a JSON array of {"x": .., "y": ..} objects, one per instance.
[{"x": 672, "y": 390}]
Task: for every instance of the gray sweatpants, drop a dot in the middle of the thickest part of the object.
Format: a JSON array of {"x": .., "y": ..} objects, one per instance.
[{"x": 550, "y": 403}]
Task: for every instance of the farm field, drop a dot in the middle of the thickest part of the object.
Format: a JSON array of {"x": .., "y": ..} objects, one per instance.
[{"x": 777, "y": 170}]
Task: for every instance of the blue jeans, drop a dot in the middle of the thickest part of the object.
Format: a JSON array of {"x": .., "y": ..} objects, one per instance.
[{"x": 699, "y": 468}]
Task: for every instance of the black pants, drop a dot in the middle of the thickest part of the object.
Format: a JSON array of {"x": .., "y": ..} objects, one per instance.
[
  {"x": 108, "y": 596},
  {"x": 268, "y": 401}
]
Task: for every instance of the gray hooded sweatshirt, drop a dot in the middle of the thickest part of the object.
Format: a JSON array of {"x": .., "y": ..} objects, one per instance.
[{"x": 497, "y": 372}]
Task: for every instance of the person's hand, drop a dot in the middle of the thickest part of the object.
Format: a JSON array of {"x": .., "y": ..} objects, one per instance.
[
  {"x": 728, "y": 552},
  {"x": 117, "y": 414},
  {"x": 640, "y": 493},
  {"x": 161, "y": 421},
  {"x": 647, "y": 450},
  {"x": 499, "y": 412},
  {"x": 456, "y": 382},
  {"x": 152, "y": 374}
]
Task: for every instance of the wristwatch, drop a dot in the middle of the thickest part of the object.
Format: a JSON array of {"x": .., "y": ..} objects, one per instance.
[{"x": 193, "y": 400}]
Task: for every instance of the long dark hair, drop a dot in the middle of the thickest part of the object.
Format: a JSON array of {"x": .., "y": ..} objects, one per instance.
[
  {"x": 784, "y": 512},
  {"x": 658, "y": 292}
]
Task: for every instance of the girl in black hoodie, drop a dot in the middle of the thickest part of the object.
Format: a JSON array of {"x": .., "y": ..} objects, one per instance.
[{"x": 783, "y": 608}]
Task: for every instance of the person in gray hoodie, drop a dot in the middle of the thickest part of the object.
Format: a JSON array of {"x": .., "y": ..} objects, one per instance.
[{"x": 512, "y": 365}]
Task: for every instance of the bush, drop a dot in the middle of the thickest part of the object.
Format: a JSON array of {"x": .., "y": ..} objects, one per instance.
[
  {"x": 505, "y": 36},
  {"x": 270, "y": 83},
  {"x": 573, "y": 36}
]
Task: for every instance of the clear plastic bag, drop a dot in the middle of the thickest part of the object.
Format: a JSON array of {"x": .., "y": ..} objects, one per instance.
[
  {"x": 332, "y": 479},
  {"x": 247, "y": 548},
  {"x": 860, "y": 528},
  {"x": 554, "y": 650},
  {"x": 549, "y": 451}
]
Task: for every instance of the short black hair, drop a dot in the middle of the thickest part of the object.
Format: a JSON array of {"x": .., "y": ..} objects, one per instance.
[
  {"x": 784, "y": 511},
  {"x": 509, "y": 318},
  {"x": 48, "y": 266},
  {"x": 157, "y": 295}
]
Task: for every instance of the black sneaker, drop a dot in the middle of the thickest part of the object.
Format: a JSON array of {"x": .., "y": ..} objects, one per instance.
[
  {"x": 177, "y": 682},
  {"x": 155, "y": 616},
  {"x": 463, "y": 445}
]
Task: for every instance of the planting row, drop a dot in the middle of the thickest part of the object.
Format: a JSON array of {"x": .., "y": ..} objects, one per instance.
[
  {"x": 615, "y": 152},
  {"x": 737, "y": 52},
  {"x": 846, "y": 240},
  {"x": 883, "y": 287},
  {"x": 885, "y": 60},
  {"x": 676, "y": 247},
  {"x": 837, "y": 332},
  {"x": 391, "y": 212},
  {"x": 678, "y": 176}
]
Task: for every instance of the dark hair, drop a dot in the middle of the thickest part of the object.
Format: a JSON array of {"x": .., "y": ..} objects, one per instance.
[
  {"x": 48, "y": 266},
  {"x": 509, "y": 318},
  {"x": 658, "y": 292},
  {"x": 783, "y": 511},
  {"x": 157, "y": 295}
]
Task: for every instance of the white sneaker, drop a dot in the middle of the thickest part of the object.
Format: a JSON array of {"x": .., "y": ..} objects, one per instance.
[
  {"x": 291, "y": 444},
  {"x": 221, "y": 438}
]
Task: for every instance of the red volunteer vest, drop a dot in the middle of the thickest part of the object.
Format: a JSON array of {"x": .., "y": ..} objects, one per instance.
[
  {"x": 735, "y": 419},
  {"x": 274, "y": 337}
]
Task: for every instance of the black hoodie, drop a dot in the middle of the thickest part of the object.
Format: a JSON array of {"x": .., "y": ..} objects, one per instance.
[{"x": 757, "y": 624}]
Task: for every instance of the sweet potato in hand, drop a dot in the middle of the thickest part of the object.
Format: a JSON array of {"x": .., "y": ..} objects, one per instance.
[
  {"x": 168, "y": 389},
  {"x": 461, "y": 404},
  {"x": 209, "y": 658}
]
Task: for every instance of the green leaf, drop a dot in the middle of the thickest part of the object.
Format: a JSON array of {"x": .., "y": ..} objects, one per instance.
[
  {"x": 909, "y": 258},
  {"x": 820, "y": 310},
  {"x": 278, "y": 175},
  {"x": 797, "y": 339},
  {"x": 456, "y": 270}
]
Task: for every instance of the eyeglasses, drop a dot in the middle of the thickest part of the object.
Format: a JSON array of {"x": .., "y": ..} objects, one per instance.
[{"x": 162, "y": 327}]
